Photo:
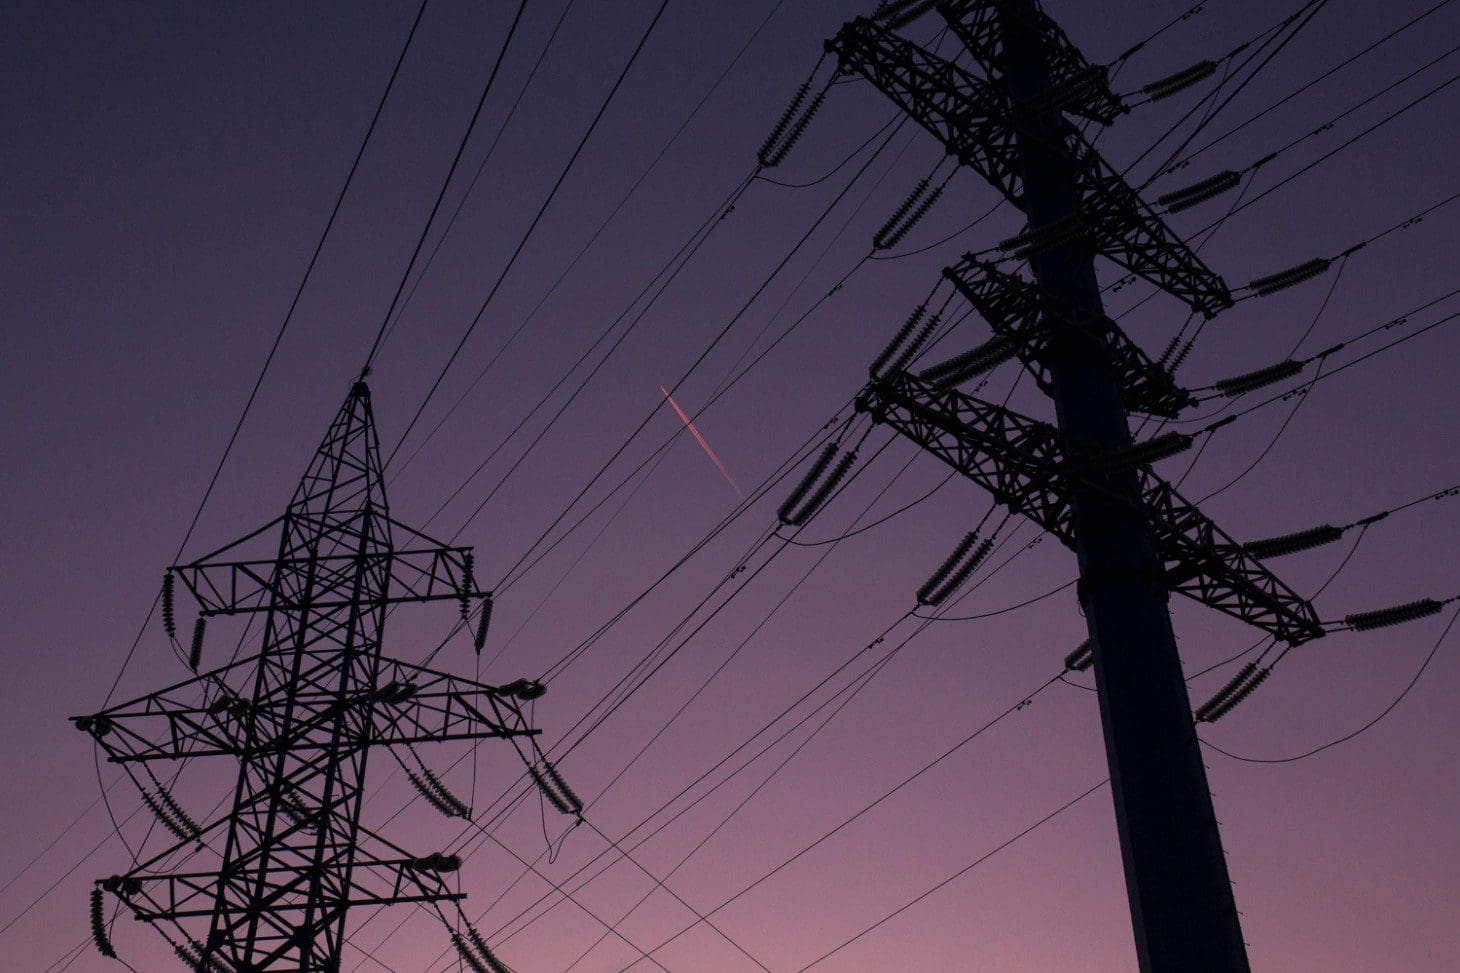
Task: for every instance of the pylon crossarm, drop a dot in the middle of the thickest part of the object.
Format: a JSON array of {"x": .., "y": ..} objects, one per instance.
[
  {"x": 972, "y": 119},
  {"x": 1020, "y": 311},
  {"x": 202, "y": 717},
  {"x": 1025, "y": 465},
  {"x": 1077, "y": 86},
  {"x": 242, "y": 587}
]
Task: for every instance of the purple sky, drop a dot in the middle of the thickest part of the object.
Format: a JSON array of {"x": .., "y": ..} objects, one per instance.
[{"x": 168, "y": 169}]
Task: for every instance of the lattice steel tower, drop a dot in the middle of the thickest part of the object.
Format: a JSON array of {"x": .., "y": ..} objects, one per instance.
[{"x": 301, "y": 718}]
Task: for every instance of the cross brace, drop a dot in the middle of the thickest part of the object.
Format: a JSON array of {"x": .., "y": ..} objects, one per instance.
[
  {"x": 1084, "y": 87},
  {"x": 414, "y": 705},
  {"x": 1022, "y": 312},
  {"x": 1026, "y": 466},
  {"x": 972, "y": 118}
]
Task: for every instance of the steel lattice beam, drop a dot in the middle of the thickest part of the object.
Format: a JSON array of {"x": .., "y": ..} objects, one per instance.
[
  {"x": 1079, "y": 87},
  {"x": 973, "y": 120},
  {"x": 1029, "y": 317},
  {"x": 1026, "y": 466}
]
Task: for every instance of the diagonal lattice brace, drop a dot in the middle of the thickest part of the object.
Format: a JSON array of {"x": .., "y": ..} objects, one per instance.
[
  {"x": 1026, "y": 466},
  {"x": 971, "y": 118},
  {"x": 1077, "y": 86},
  {"x": 1020, "y": 311},
  {"x": 204, "y": 717}
]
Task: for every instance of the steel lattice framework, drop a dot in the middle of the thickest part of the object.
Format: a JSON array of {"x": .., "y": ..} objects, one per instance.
[
  {"x": 301, "y": 717},
  {"x": 981, "y": 125},
  {"x": 1025, "y": 465}
]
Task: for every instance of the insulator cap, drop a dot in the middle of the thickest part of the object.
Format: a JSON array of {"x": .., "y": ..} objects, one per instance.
[
  {"x": 1180, "y": 81},
  {"x": 1200, "y": 192},
  {"x": 1283, "y": 279},
  {"x": 1082, "y": 658},
  {"x": 1301, "y": 540},
  {"x": 1250, "y": 381}
]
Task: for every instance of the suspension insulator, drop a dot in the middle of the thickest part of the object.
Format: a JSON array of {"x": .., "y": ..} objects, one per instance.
[
  {"x": 896, "y": 344},
  {"x": 159, "y": 810},
  {"x": 195, "y": 653},
  {"x": 916, "y": 345},
  {"x": 1272, "y": 374},
  {"x": 1301, "y": 540},
  {"x": 483, "y": 624},
  {"x": 432, "y": 798},
  {"x": 570, "y": 798},
  {"x": 811, "y": 476},
  {"x": 1144, "y": 453},
  {"x": 1087, "y": 84},
  {"x": 895, "y": 235},
  {"x": 1226, "y": 692},
  {"x": 181, "y": 816},
  {"x": 98, "y": 926},
  {"x": 782, "y": 122},
  {"x": 1082, "y": 658},
  {"x": 976, "y": 361},
  {"x": 821, "y": 493},
  {"x": 779, "y": 153},
  {"x": 467, "y": 955},
  {"x": 554, "y": 798},
  {"x": 1180, "y": 81},
  {"x": 438, "y": 862},
  {"x": 1257, "y": 680},
  {"x": 488, "y": 957},
  {"x": 468, "y": 582},
  {"x": 925, "y": 593},
  {"x": 1200, "y": 192},
  {"x": 1041, "y": 239},
  {"x": 1283, "y": 279},
  {"x": 169, "y": 621},
  {"x": 911, "y": 13},
  {"x": 955, "y": 581},
  {"x": 447, "y": 798},
  {"x": 1384, "y": 617},
  {"x": 898, "y": 214}
]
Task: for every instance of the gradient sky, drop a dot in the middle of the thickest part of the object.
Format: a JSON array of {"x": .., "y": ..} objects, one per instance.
[{"x": 168, "y": 169}]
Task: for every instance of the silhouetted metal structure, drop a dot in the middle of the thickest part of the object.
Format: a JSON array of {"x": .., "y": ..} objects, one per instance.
[
  {"x": 301, "y": 718},
  {"x": 1084, "y": 479}
]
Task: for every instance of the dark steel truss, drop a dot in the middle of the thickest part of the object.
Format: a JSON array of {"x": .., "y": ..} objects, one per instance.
[
  {"x": 1027, "y": 466},
  {"x": 973, "y": 120},
  {"x": 1029, "y": 317},
  {"x": 301, "y": 717},
  {"x": 1082, "y": 88}
]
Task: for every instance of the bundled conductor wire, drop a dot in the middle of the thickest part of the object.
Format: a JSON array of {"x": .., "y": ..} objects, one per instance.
[
  {"x": 1301, "y": 540},
  {"x": 1082, "y": 658},
  {"x": 98, "y": 926},
  {"x": 1180, "y": 81},
  {"x": 1200, "y": 192},
  {"x": 955, "y": 569},
  {"x": 1384, "y": 617},
  {"x": 1282, "y": 280},
  {"x": 976, "y": 361}
]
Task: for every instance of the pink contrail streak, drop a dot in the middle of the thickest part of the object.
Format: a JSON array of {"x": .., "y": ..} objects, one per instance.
[{"x": 703, "y": 445}]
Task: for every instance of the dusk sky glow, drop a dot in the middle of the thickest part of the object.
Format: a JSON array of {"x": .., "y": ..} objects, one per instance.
[{"x": 169, "y": 169}]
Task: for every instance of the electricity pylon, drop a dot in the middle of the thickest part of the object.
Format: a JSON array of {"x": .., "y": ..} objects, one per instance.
[
  {"x": 301, "y": 718},
  {"x": 1085, "y": 480}
]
